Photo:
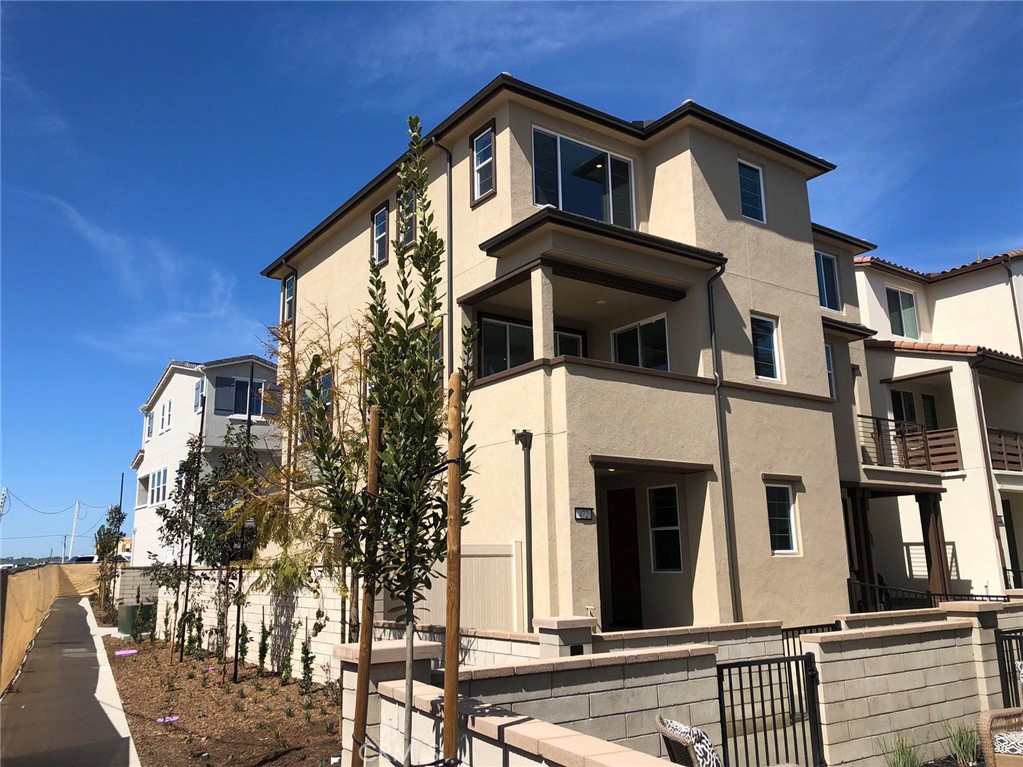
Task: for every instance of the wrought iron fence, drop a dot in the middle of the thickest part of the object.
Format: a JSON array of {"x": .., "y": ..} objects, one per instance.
[
  {"x": 790, "y": 636},
  {"x": 870, "y": 597},
  {"x": 770, "y": 712},
  {"x": 1009, "y": 648}
]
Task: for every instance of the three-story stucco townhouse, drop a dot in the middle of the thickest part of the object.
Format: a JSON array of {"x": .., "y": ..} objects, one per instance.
[
  {"x": 194, "y": 398},
  {"x": 945, "y": 383},
  {"x": 660, "y": 344}
]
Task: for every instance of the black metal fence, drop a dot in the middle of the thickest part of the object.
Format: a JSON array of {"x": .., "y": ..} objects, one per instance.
[
  {"x": 1009, "y": 647},
  {"x": 870, "y": 597},
  {"x": 770, "y": 712},
  {"x": 790, "y": 636}
]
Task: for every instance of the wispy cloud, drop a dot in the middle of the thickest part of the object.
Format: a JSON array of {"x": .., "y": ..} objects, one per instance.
[{"x": 28, "y": 111}]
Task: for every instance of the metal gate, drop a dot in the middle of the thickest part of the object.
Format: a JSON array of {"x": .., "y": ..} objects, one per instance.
[
  {"x": 1009, "y": 647},
  {"x": 770, "y": 712}
]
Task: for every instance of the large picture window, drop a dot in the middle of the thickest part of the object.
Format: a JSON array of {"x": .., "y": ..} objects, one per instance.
[
  {"x": 504, "y": 345},
  {"x": 902, "y": 313},
  {"x": 581, "y": 179},
  {"x": 827, "y": 281},
  {"x": 665, "y": 531},
  {"x": 644, "y": 344}
]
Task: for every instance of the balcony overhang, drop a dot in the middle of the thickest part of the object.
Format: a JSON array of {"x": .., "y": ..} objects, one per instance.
[
  {"x": 552, "y": 222},
  {"x": 918, "y": 376},
  {"x": 884, "y": 482},
  {"x": 605, "y": 464},
  {"x": 137, "y": 460},
  {"x": 852, "y": 331}
]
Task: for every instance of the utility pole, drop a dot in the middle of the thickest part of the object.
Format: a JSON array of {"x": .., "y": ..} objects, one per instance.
[
  {"x": 74, "y": 530},
  {"x": 63, "y": 548}
]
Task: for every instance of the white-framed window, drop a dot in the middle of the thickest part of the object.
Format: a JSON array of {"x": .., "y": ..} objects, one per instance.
[
  {"x": 504, "y": 345},
  {"x": 149, "y": 424},
  {"x": 407, "y": 216},
  {"x": 827, "y": 281},
  {"x": 643, "y": 344},
  {"x": 582, "y": 179},
  {"x": 169, "y": 403},
  {"x": 830, "y": 362},
  {"x": 751, "y": 191},
  {"x": 288, "y": 299},
  {"x": 483, "y": 181},
  {"x": 765, "y": 347},
  {"x": 200, "y": 390},
  {"x": 665, "y": 530},
  {"x": 781, "y": 519},
  {"x": 379, "y": 245},
  {"x": 163, "y": 417},
  {"x": 902, "y": 313},
  {"x": 158, "y": 486},
  {"x": 232, "y": 396},
  {"x": 567, "y": 343}
]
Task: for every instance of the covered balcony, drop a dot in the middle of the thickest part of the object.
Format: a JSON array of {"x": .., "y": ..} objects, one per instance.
[{"x": 908, "y": 445}]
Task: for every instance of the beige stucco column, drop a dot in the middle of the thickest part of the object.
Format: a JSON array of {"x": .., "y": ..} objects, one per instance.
[{"x": 542, "y": 290}]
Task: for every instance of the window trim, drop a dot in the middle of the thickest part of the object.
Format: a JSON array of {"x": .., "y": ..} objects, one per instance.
[
  {"x": 474, "y": 198},
  {"x": 386, "y": 208},
  {"x": 288, "y": 304},
  {"x": 793, "y": 529},
  {"x": 148, "y": 425},
  {"x": 262, "y": 383},
  {"x": 829, "y": 363},
  {"x": 576, "y": 333},
  {"x": 163, "y": 417},
  {"x": 818, "y": 256},
  {"x": 677, "y": 528},
  {"x": 763, "y": 197},
  {"x": 916, "y": 311},
  {"x": 775, "y": 335},
  {"x": 646, "y": 321},
  {"x": 558, "y": 136},
  {"x": 502, "y": 320}
]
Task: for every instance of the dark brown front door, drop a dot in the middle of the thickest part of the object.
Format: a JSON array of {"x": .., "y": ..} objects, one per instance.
[{"x": 623, "y": 539}]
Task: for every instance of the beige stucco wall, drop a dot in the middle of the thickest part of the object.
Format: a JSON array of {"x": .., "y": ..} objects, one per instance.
[
  {"x": 871, "y": 285},
  {"x": 977, "y": 308}
]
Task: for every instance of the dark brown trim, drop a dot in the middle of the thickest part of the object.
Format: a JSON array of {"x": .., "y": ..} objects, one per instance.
[
  {"x": 862, "y": 246},
  {"x": 499, "y": 285},
  {"x": 788, "y": 479},
  {"x": 490, "y": 125},
  {"x": 780, "y": 392},
  {"x": 511, "y": 372},
  {"x": 915, "y": 376},
  {"x": 648, "y": 464},
  {"x": 853, "y": 330},
  {"x": 549, "y": 216},
  {"x": 386, "y": 206}
]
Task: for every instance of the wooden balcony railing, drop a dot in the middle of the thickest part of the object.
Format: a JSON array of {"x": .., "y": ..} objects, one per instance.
[
  {"x": 1006, "y": 449},
  {"x": 903, "y": 445}
]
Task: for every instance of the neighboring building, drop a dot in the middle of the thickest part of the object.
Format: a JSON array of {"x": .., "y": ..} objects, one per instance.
[
  {"x": 946, "y": 384},
  {"x": 658, "y": 311},
  {"x": 178, "y": 408}
]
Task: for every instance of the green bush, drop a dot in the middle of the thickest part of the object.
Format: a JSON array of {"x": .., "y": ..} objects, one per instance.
[
  {"x": 964, "y": 741},
  {"x": 901, "y": 753}
]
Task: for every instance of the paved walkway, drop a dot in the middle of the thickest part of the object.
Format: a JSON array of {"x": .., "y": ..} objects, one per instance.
[{"x": 65, "y": 710}]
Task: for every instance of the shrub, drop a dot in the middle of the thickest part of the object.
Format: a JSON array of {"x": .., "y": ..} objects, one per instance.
[
  {"x": 264, "y": 644},
  {"x": 307, "y": 668},
  {"x": 964, "y": 742},
  {"x": 901, "y": 753},
  {"x": 136, "y": 624},
  {"x": 243, "y": 643}
]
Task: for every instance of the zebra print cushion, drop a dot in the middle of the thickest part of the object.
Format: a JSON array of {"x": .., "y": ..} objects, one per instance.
[
  {"x": 1009, "y": 742},
  {"x": 702, "y": 744}
]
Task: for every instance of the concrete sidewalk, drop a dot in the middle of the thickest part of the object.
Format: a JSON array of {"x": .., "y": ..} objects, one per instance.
[{"x": 65, "y": 710}]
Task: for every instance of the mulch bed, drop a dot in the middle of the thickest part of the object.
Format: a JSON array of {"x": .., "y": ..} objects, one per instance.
[{"x": 255, "y": 723}]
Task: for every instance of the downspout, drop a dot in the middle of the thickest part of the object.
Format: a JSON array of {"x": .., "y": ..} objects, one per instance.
[
  {"x": 723, "y": 459},
  {"x": 1015, "y": 303},
  {"x": 988, "y": 465},
  {"x": 525, "y": 438},
  {"x": 293, "y": 394},
  {"x": 450, "y": 266}
]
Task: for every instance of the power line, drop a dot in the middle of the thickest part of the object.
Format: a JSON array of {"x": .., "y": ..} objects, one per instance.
[
  {"x": 33, "y": 508},
  {"x": 26, "y": 537}
]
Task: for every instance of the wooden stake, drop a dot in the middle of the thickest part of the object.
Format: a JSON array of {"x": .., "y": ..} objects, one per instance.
[
  {"x": 452, "y": 627},
  {"x": 366, "y": 625}
]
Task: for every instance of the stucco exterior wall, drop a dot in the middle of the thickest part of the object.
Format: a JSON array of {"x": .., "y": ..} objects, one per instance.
[{"x": 976, "y": 308}]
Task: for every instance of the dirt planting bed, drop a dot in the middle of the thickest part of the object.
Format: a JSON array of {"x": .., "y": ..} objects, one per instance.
[{"x": 256, "y": 723}]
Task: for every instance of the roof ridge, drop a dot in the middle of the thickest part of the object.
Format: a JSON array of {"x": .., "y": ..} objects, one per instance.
[{"x": 944, "y": 273}]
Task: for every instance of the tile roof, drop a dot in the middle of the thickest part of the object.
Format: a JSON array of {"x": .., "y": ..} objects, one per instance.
[
  {"x": 924, "y": 346},
  {"x": 929, "y": 277}
]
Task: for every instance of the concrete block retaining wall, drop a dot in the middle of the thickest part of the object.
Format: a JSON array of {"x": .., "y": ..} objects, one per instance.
[
  {"x": 131, "y": 578},
  {"x": 735, "y": 641}
]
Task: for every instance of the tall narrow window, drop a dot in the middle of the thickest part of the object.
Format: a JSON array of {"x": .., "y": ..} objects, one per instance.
[
  {"x": 581, "y": 179},
  {"x": 169, "y": 403},
  {"x": 644, "y": 344},
  {"x": 200, "y": 389},
  {"x": 665, "y": 531},
  {"x": 827, "y": 281},
  {"x": 930, "y": 411},
  {"x": 903, "y": 406},
  {"x": 781, "y": 519},
  {"x": 288, "y": 299},
  {"x": 483, "y": 164},
  {"x": 163, "y": 417},
  {"x": 751, "y": 192},
  {"x": 765, "y": 347},
  {"x": 829, "y": 360},
  {"x": 149, "y": 424},
  {"x": 380, "y": 235},
  {"x": 505, "y": 345},
  {"x": 902, "y": 313}
]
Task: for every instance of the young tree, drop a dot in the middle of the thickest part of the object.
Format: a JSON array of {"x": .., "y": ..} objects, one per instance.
[{"x": 108, "y": 536}]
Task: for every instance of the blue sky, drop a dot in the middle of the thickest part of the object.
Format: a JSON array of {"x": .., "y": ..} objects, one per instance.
[{"x": 156, "y": 156}]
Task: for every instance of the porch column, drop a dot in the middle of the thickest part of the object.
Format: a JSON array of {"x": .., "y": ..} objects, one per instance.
[
  {"x": 861, "y": 547},
  {"x": 542, "y": 291},
  {"x": 938, "y": 577}
]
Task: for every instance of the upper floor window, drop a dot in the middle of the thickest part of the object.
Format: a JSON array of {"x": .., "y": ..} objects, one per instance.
[
  {"x": 163, "y": 417},
  {"x": 200, "y": 390},
  {"x": 581, "y": 179},
  {"x": 380, "y": 235},
  {"x": 233, "y": 397},
  {"x": 830, "y": 362},
  {"x": 566, "y": 343},
  {"x": 827, "y": 281},
  {"x": 765, "y": 347},
  {"x": 483, "y": 164},
  {"x": 781, "y": 519},
  {"x": 751, "y": 191},
  {"x": 665, "y": 532},
  {"x": 644, "y": 344},
  {"x": 505, "y": 345},
  {"x": 149, "y": 424},
  {"x": 902, "y": 313},
  {"x": 903, "y": 406},
  {"x": 288, "y": 299},
  {"x": 169, "y": 403},
  {"x": 158, "y": 486}
]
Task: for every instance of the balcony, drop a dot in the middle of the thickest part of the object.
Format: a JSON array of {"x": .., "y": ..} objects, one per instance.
[
  {"x": 1006, "y": 449},
  {"x": 902, "y": 445}
]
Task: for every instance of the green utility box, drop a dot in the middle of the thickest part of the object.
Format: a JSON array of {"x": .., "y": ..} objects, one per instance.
[{"x": 126, "y": 617}]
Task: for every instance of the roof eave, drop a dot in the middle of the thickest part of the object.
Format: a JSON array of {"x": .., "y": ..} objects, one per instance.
[{"x": 858, "y": 245}]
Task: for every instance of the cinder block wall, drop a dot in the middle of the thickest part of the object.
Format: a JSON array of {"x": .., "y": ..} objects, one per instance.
[
  {"x": 131, "y": 578},
  {"x": 735, "y": 641}
]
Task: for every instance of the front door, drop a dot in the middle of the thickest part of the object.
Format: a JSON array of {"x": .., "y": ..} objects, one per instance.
[{"x": 623, "y": 539}]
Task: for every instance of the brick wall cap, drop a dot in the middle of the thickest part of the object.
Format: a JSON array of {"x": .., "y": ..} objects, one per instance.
[
  {"x": 1014, "y": 593},
  {"x": 563, "y": 622},
  {"x": 430, "y": 628},
  {"x": 902, "y": 629},
  {"x": 888, "y": 614},
  {"x": 972, "y": 607},
  {"x": 389, "y": 651},
  {"x": 718, "y": 628}
]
